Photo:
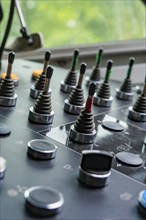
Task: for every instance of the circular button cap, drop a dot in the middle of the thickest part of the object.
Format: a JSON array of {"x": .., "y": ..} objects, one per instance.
[
  {"x": 142, "y": 202},
  {"x": 41, "y": 149},
  {"x": 43, "y": 200},
  {"x": 129, "y": 159},
  {"x": 113, "y": 126},
  {"x": 4, "y": 130}
]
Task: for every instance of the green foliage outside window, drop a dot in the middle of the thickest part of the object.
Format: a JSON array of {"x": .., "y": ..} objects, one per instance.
[{"x": 66, "y": 22}]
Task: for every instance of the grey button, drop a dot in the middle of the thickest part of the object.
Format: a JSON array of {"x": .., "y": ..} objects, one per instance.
[
  {"x": 129, "y": 159},
  {"x": 4, "y": 130},
  {"x": 43, "y": 200},
  {"x": 112, "y": 126},
  {"x": 41, "y": 149}
]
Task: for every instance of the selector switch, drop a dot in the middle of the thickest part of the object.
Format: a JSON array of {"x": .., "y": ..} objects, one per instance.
[
  {"x": 103, "y": 96},
  {"x": 125, "y": 90},
  {"x": 43, "y": 201},
  {"x": 8, "y": 97},
  {"x": 70, "y": 80},
  {"x": 83, "y": 131},
  {"x": 37, "y": 73},
  {"x": 137, "y": 112},
  {"x": 96, "y": 73},
  {"x": 94, "y": 170},
  {"x": 75, "y": 102},
  {"x": 41, "y": 112},
  {"x": 3, "y": 164},
  {"x": 39, "y": 85},
  {"x": 41, "y": 149}
]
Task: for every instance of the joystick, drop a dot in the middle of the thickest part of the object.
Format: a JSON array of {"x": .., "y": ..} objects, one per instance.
[
  {"x": 75, "y": 103},
  {"x": 102, "y": 97},
  {"x": 83, "y": 131},
  {"x": 8, "y": 97},
  {"x": 42, "y": 112},
  {"x": 36, "y": 73},
  {"x": 71, "y": 79},
  {"x": 39, "y": 85},
  {"x": 125, "y": 91},
  {"x": 95, "y": 168},
  {"x": 95, "y": 74},
  {"x": 138, "y": 111}
]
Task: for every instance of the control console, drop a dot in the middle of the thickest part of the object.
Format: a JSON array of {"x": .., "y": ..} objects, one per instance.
[{"x": 71, "y": 154}]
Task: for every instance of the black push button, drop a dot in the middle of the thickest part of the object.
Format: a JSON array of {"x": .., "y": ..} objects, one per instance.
[
  {"x": 4, "y": 130},
  {"x": 112, "y": 126},
  {"x": 142, "y": 203},
  {"x": 129, "y": 159},
  {"x": 41, "y": 149},
  {"x": 43, "y": 201}
]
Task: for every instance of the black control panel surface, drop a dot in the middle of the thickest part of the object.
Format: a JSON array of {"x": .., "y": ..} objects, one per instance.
[{"x": 117, "y": 200}]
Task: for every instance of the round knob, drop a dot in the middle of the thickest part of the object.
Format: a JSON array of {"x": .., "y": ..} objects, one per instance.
[
  {"x": 43, "y": 200},
  {"x": 41, "y": 149},
  {"x": 94, "y": 170}
]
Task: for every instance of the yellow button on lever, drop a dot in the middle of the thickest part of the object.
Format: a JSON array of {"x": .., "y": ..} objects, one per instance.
[
  {"x": 36, "y": 73},
  {"x": 13, "y": 76}
]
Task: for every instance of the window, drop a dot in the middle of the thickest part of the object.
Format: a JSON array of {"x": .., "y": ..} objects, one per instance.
[{"x": 66, "y": 22}]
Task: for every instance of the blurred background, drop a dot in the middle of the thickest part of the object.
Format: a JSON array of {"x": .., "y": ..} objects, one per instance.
[
  {"x": 66, "y": 22},
  {"x": 118, "y": 26}
]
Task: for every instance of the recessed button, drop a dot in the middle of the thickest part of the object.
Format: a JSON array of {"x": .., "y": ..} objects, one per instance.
[
  {"x": 129, "y": 159},
  {"x": 4, "y": 130},
  {"x": 43, "y": 200},
  {"x": 112, "y": 126},
  {"x": 41, "y": 149}
]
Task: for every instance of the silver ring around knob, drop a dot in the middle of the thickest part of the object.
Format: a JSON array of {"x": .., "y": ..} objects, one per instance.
[{"x": 93, "y": 179}]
